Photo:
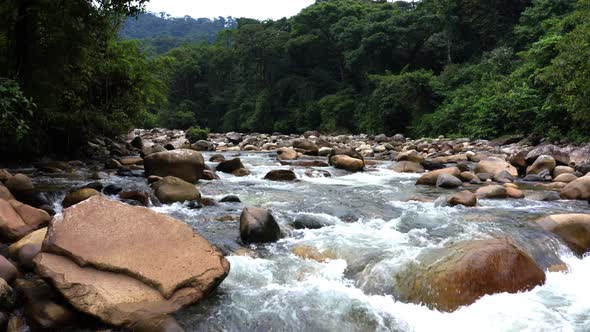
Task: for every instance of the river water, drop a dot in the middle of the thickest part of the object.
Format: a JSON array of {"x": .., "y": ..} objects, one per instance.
[{"x": 373, "y": 233}]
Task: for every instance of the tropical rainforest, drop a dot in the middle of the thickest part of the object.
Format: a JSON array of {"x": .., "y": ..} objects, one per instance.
[{"x": 476, "y": 68}]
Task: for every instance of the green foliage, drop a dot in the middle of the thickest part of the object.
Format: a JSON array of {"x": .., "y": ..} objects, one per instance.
[
  {"x": 16, "y": 112},
  {"x": 197, "y": 133}
]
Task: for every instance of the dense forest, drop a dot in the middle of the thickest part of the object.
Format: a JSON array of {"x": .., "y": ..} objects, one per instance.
[
  {"x": 478, "y": 68},
  {"x": 159, "y": 33}
]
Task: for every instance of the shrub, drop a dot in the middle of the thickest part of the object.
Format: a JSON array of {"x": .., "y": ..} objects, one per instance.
[{"x": 197, "y": 133}]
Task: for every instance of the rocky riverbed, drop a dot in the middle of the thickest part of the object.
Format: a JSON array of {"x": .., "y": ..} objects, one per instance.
[{"x": 311, "y": 233}]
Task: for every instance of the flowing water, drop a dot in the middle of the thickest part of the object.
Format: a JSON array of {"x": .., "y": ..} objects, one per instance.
[{"x": 373, "y": 233}]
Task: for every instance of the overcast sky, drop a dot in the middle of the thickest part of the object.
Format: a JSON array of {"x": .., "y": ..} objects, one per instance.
[{"x": 260, "y": 9}]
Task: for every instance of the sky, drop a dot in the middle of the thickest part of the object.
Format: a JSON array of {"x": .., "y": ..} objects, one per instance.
[{"x": 259, "y": 9}]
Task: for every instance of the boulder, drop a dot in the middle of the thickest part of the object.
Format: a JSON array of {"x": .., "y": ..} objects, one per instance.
[
  {"x": 12, "y": 225},
  {"x": 258, "y": 226},
  {"x": 217, "y": 158},
  {"x": 157, "y": 324},
  {"x": 240, "y": 172},
  {"x": 559, "y": 155},
  {"x": 5, "y": 193},
  {"x": 4, "y": 175},
  {"x": 35, "y": 238},
  {"x": 465, "y": 198},
  {"x": 580, "y": 156},
  {"x": 310, "y": 133},
  {"x": 19, "y": 183},
  {"x": 494, "y": 165},
  {"x": 181, "y": 163},
  {"x": 32, "y": 216},
  {"x": 503, "y": 177},
  {"x": 431, "y": 177},
  {"x": 6, "y": 298},
  {"x": 141, "y": 197},
  {"x": 542, "y": 163},
  {"x": 228, "y": 166},
  {"x": 448, "y": 181},
  {"x": 134, "y": 264},
  {"x": 410, "y": 155},
  {"x": 78, "y": 196},
  {"x": 112, "y": 189},
  {"x": 310, "y": 221},
  {"x": 210, "y": 175},
  {"x": 577, "y": 189},
  {"x": 203, "y": 145},
  {"x": 306, "y": 146},
  {"x": 231, "y": 199},
  {"x": 458, "y": 275},
  {"x": 309, "y": 252},
  {"x": 8, "y": 271},
  {"x": 573, "y": 229},
  {"x": 514, "y": 193},
  {"x": 281, "y": 175},
  {"x": 407, "y": 167},
  {"x": 469, "y": 177},
  {"x": 565, "y": 178},
  {"x": 562, "y": 170},
  {"x": 286, "y": 154},
  {"x": 137, "y": 142},
  {"x": 491, "y": 191},
  {"x": 172, "y": 189},
  {"x": 234, "y": 137},
  {"x": 347, "y": 163}
]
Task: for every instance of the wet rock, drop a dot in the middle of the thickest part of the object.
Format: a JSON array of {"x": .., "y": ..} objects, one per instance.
[
  {"x": 431, "y": 177},
  {"x": 172, "y": 189},
  {"x": 542, "y": 163},
  {"x": 448, "y": 181},
  {"x": 494, "y": 165},
  {"x": 4, "y": 175},
  {"x": 233, "y": 137},
  {"x": 514, "y": 193},
  {"x": 228, "y": 166},
  {"x": 458, "y": 275},
  {"x": 545, "y": 196},
  {"x": 8, "y": 271},
  {"x": 281, "y": 175},
  {"x": 573, "y": 229},
  {"x": 565, "y": 178},
  {"x": 13, "y": 226},
  {"x": 142, "y": 198},
  {"x": 112, "y": 189},
  {"x": 309, "y": 221},
  {"x": 19, "y": 183},
  {"x": 559, "y": 155},
  {"x": 134, "y": 264},
  {"x": 315, "y": 173},
  {"x": 411, "y": 155},
  {"x": 99, "y": 176},
  {"x": 137, "y": 142},
  {"x": 407, "y": 167},
  {"x": 182, "y": 163},
  {"x": 7, "y": 302},
  {"x": 210, "y": 175},
  {"x": 240, "y": 172},
  {"x": 16, "y": 322},
  {"x": 432, "y": 166},
  {"x": 306, "y": 147},
  {"x": 231, "y": 199},
  {"x": 533, "y": 178},
  {"x": 157, "y": 324},
  {"x": 26, "y": 255},
  {"x": 577, "y": 189},
  {"x": 309, "y": 252},
  {"x": 465, "y": 198},
  {"x": 469, "y": 177},
  {"x": 503, "y": 177},
  {"x": 92, "y": 185},
  {"x": 112, "y": 164},
  {"x": 347, "y": 163},
  {"x": 78, "y": 196},
  {"x": 128, "y": 161},
  {"x": 5, "y": 193},
  {"x": 258, "y": 226},
  {"x": 35, "y": 238},
  {"x": 286, "y": 154},
  {"x": 208, "y": 201},
  {"x": 492, "y": 191},
  {"x": 562, "y": 170},
  {"x": 203, "y": 145}
]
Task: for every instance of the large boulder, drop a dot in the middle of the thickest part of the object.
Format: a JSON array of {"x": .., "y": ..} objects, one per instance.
[
  {"x": 565, "y": 178},
  {"x": 286, "y": 154},
  {"x": 229, "y": 166},
  {"x": 573, "y": 229},
  {"x": 448, "y": 181},
  {"x": 181, "y": 163},
  {"x": 306, "y": 146},
  {"x": 407, "y": 167},
  {"x": 172, "y": 189},
  {"x": 580, "y": 156},
  {"x": 492, "y": 191},
  {"x": 410, "y": 155},
  {"x": 494, "y": 165},
  {"x": 258, "y": 225},
  {"x": 465, "y": 198},
  {"x": 347, "y": 163},
  {"x": 19, "y": 183},
  {"x": 124, "y": 264},
  {"x": 542, "y": 163},
  {"x": 431, "y": 177},
  {"x": 8, "y": 271},
  {"x": 460, "y": 274},
  {"x": 577, "y": 189},
  {"x": 561, "y": 156},
  {"x": 78, "y": 196},
  {"x": 281, "y": 175},
  {"x": 15, "y": 223}
]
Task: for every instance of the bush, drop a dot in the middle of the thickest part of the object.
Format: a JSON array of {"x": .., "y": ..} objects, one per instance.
[
  {"x": 196, "y": 134},
  {"x": 16, "y": 113}
]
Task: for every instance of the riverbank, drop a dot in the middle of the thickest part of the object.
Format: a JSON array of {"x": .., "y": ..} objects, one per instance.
[{"x": 353, "y": 227}]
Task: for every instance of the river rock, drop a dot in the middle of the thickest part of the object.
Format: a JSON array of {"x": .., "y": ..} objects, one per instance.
[
  {"x": 228, "y": 166},
  {"x": 492, "y": 191},
  {"x": 347, "y": 163},
  {"x": 78, "y": 196},
  {"x": 281, "y": 175},
  {"x": 514, "y": 193},
  {"x": 407, "y": 167},
  {"x": 33, "y": 238},
  {"x": 172, "y": 189},
  {"x": 258, "y": 225},
  {"x": 431, "y": 177},
  {"x": 5, "y": 193},
  {"x": 562, "y": 170},
  {"x": 410, "y": 155},
  {"x": 6, "y": 298},
  {"x": 503, "y": 177},
  {"x": 8, "y": 271},
  {"x": 13, "y": 226},
  {"x": 306, "y": 146},
  {"x": 4, "y": 175},
  {"x": 133, "y": 264},
  {"x": 469, "y": 177},
  {"x": 234, "y": 137},
  {"x": 577, "y": 189},
  {"x": 542, "y": 163},
  {"x": 202, "y": 145},
  {"x": 465, "y": 198},
  {"x": 565, "y": 178},
  {"x": 157, "y": 324},
  {"x": 241, "y": 172},
  {"x": 559, "y": 155},
  {"x": 217, "y": 158},
  {"x": 19, "y": 183},
  {"x": 458, "y": 275},
  {"x": 309, "y": 252},
  {"x": 286, "y": 154},
  {"x": 573, "y": 229},
  {"x": 310, "y": 221},
  {"x": 494, "y": 165},
  {"x": 448, "y": 181},
  {"x": 181, "y": 163}
]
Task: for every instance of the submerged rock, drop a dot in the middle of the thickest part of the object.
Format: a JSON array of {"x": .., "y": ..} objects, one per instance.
[
  {"x": 458, "y": 275},
  {"x": 281, "y": 175},
  {"x": 134, "y": 264},
  {"x": 229, "y": 166}
]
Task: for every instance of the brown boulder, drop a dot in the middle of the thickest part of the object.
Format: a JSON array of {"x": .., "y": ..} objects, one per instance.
[
  {"x": 431, "y": 177},
  {"x": 460, "y": 274},
  {"x": 32, "y": 216},
  {"x": 410, "y": 155},
  {"x": 561, "y": 156},
  {"x": 258, "y": 225},
  {"x": 286, "y": 154},
  {"x": 577, "y": 189},
  {"x": 19, "y": 183},
  {"x": 514, "y": 192},
  {"x": 182, "y": 163},
  {"x": 492, "y": 191},
  {"x": 281, "y": 175},
  {"x": 133, "y": 264},
  {"x": 8, "y": 271},
  {"x": 5, "y": 193},
  {"x": 565, "y": 178},
  {"x": 562, "y": 170},
  {"x": 172, "y": 189},
  {"x": 347, "y": 163},
  {"x": 407, "y": 167},
  {"x": 494, "y": 165},
  {"x": 35, "y": 238},
  {"x": 240, "y": 172},
  {"x": 12, "y": 225},
  {"x": 309, "y": 252},
  {"x": 465, "y": 198},
  {"x": 573, "y": 229},
  {"x": 306, "y": 146},
  {"x": 542, "y": 163},
  {"x": 228, "y": 166},
  {"x": 78, "y": 196}
]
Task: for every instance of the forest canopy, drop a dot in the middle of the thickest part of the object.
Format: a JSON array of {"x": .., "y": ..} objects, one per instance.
[{"x": 477, "y": 68}]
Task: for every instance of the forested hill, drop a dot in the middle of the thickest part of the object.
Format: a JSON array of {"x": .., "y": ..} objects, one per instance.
[{"x": 161, "y": 32}]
